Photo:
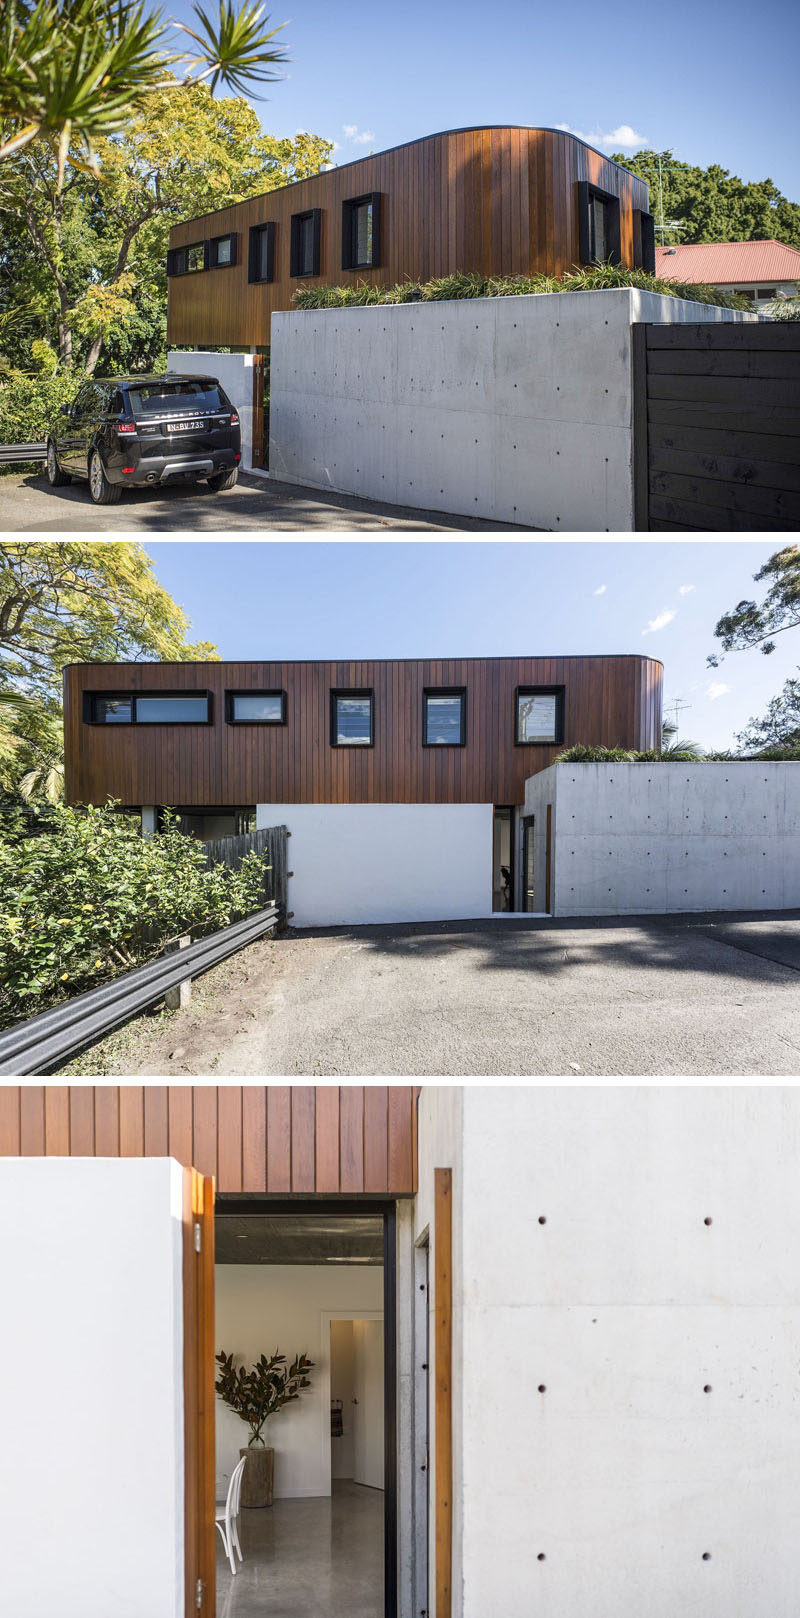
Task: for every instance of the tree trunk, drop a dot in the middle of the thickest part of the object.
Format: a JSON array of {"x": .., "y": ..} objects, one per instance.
[{"x": 93, "y": 356}]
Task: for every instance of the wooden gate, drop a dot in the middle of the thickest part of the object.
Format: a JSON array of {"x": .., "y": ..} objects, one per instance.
[{"x": 717, "y": 426}]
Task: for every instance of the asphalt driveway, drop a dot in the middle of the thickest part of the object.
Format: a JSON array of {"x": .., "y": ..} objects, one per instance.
[
  {"x": 678, "y": 996},
  {"x": 29, "y": 505}
]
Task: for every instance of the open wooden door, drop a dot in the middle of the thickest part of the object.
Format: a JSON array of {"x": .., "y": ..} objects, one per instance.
[{"x": 198, "y": 1383}]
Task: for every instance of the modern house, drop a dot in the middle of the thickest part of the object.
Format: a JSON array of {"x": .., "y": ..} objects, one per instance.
[
  {"x": 766, "y": 272},
  {"x": 569, "y": 1317},
  {"x": 402, "y": 783}
]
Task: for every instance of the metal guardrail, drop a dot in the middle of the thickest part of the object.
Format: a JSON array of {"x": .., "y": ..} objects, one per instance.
[
  {"x": 46, "y": 1041},
  {"x": 9, "y": 453}
]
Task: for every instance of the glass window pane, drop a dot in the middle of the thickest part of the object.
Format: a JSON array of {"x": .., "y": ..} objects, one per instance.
[
  {"x": 307, "y": 245},
  {"x": 599, "y": 230},
  {"x": 152, "y": 399},
  {"x": 443, "y": 720},
  {"x": 363, "y": 233},
  {"x": 162, "y": 710},
  {"x": 112, "y": 710},
  {"x": 224, "y": 250},
  {"x": 267, "y": 709},
  {"x": 195, "y": 257},
  {"x": 537, "y": 718},
  {"x": 263, "y": 254},
  {"x": 352, "y": 720}
]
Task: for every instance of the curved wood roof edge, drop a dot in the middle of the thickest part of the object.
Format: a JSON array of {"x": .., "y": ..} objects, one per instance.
[
  {"x": 272, "y": 662},
  {"x": 419, "y": 140}
]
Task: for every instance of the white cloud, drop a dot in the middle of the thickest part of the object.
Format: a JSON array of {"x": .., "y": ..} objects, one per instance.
[
  {"x": 358, "y": 137},
  {"x": 613, "y": 140},
  {"x": 717, "y": 688},
  {"x": 600, "y": 591},
  {"x": 660, "y": 622},
  {"x": 686, "y": 590}
]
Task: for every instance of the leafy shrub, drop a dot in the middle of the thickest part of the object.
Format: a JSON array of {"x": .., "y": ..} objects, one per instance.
[
  {"x": 468, "y": 284},
  {"x": 28, "y": 403},
  {"x": 91, "y": 897},
  {"x": 581, "y": 754}
]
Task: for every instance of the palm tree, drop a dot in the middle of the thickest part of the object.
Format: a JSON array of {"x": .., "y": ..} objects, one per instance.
[
  {"x": 31, "y": 740},
  {"x": 673, "y": 747}
]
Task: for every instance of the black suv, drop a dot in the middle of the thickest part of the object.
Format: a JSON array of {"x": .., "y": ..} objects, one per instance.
[{"x": 145, "y": 429}]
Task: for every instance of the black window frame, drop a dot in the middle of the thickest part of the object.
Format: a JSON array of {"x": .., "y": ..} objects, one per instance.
[
  {"x": 586, "y": 194},
  {"x": 298, "y": 219},
  {"x": 350, "y": 259},
  {"x": 266, "y": 228},
  {"x": 557, "y": 691},
  {"x": 91, "y": 697},
  {"x": 212, "y": 250},
  {"x": 362, "y": 692},
  {"x": 252, "y": 691},
  {"x": 647, "y": 240},
  {"x": 172, "y": 259},
  {"x": 459, "y": 691}
]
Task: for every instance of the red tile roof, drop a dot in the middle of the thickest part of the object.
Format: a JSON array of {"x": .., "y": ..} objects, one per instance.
[{"x": 729, "y": 263}]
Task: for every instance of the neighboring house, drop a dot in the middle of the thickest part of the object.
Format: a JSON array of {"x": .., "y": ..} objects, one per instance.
[
  {"x": 500, "y": 201},
  {"x": 585, "y": 1301},
  {"x": 763, "y": 271},
  {"x": 401, "y": 782}
]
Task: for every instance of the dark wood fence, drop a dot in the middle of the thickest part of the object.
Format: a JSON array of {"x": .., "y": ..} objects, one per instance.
[
  {"x": 717, "y": 426},
  {"x": 231, "y": 851}
]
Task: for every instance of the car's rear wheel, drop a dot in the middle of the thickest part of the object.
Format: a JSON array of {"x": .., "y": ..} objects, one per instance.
[
  {"x": 224, "y": 480},
  {"x": 102, "y": 492},
  {"x": 55, "y": 477}
]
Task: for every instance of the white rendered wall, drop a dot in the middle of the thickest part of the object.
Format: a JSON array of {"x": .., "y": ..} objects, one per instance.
[
  {"x": 636, "y": 838},
  {"x": 624, "y": 1474},
  {"x": 235, "y": 372},
  {"x": 385, "y": 862},
  {"x": 518, "y": 409},
  {"x": 261, "y": 1307},
  {"x": 91, "y": 1388}
]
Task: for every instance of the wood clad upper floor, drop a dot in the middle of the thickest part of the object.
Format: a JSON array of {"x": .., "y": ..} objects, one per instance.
[
  {"x": 297, "y": 751},
  {"x": 274, "y": 1139},
  {"x": 499, "y": 201}
]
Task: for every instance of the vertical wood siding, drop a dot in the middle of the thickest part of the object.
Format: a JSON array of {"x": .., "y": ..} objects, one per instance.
[
  {"x": 262, "y": 1138},
  {"x": 499, "y": 201},
  {"x": 614, "y": 701}
]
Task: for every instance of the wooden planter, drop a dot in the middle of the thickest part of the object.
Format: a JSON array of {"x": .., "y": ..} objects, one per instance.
[{"x": 258, "y": 1477}]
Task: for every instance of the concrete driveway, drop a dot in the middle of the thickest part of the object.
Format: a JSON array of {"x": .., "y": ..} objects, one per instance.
[
  {"x": 29, "y": 505},
  {"x": 685, "y": 997}
]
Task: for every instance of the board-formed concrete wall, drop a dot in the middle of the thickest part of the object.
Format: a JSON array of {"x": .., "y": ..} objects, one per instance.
[
  {"x": 382, "y": 862},
  {"x": 517, "y": 409},
  {"x": 627, "y": 1311},
  {"x": 235, "y": 372},
  {"x": 639, "y": 838}
]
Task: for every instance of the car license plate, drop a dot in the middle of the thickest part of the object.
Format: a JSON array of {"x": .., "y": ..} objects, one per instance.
[{"x": 181, "y": 426}]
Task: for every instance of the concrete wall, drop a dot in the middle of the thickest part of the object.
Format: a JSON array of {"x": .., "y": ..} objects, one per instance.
[
  {"x": 263, "y": 1306},
  {"x": 91, "y": 1388},
  {"x": 624, "y": 1306},
  {"x": 639, "y": 838},
  {"x": 382, "y": 862},
  {"x": 517, "y": 409},
  {"x": 235, "y": 372}
]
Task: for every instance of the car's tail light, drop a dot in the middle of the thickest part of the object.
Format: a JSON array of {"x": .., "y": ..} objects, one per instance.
[
  {"x": 128, "y": 468},
  {"x": 234, "y": 419},
  {"x": 237, "y": 457},
  {"x": 126, "y": 428}
]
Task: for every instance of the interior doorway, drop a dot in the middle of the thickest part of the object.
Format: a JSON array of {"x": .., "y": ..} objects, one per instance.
[{"x": 356, "y": 1383}]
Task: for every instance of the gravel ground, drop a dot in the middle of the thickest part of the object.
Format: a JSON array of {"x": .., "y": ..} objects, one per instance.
[
  {"x": 681, "y": 997},
  {"x": 29, "y": 505}
]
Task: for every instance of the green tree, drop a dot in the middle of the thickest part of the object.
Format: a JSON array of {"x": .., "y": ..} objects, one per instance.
[
  {"x": 713, "y": 205},
  {"x": 779, "y": 727},
  {"x": 756, "y": 623}
]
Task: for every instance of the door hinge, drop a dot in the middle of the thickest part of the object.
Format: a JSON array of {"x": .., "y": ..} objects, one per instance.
[
  {"x": 198, "y": 1237},
  {"x": 198, "y": 1595}
]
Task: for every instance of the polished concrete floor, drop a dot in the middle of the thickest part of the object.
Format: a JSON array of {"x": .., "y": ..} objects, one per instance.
[{"x": 308, "y": 1559}]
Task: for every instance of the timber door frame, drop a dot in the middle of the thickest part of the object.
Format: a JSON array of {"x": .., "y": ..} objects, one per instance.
[
  {"x": 200, "y": 1559},
  {"x": 528, "y": 831},
  {"x": 360, "y": 1207}
]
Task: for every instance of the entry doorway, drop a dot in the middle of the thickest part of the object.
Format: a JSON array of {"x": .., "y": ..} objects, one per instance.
[
  {"x": 357, "y": 1378},
  {"x": 528, "y": 889},
  {"x": 503, "y": 858}
]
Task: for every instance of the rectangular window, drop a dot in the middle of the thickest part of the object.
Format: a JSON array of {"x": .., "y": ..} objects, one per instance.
[
  {"x": 255, "y": 707},
  {"x": 765, "y": 292},
  {"x": 261, "y": 256},
  {"x": 539, "y": 714},
  {"x": 306, "y": 239},
  {"x": 444, "y": 718},
  {"x": 361, "y": 232},
  {"x": 598, "y": 225},
  {"x": 202, "y": 396},
  {"x": 185, "y": 260},
  {"x": 156, "y": 708},
  {"x": 644, "y": 241},
  {"x": 222, "y": 251},
  {"x": 351, "y": 718}
]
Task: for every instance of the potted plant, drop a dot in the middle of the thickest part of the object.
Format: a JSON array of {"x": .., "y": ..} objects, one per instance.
[{"x": 255, "y": 1395}]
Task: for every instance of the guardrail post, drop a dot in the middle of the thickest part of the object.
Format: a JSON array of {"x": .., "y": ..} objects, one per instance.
[{"x": 179, "y": 997}]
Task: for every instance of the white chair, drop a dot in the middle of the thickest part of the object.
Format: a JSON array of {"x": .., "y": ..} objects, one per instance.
[{"x": 227, "y": 1516}]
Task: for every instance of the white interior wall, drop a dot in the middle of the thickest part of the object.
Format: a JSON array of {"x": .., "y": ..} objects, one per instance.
[
  {"x": 369, "y": 1424},
  {"x": 625, "y": 1474},
  {"x": 385, "y": 862},
  {"x": 261, "y": 1307},
  {"x": 343, "y": 1386},
  {"x": 518, "y": 409},
  {"x": 636, "y": 838},
  {"x": 91, "y": 1388},
  {"x": 235, "y": 372}
]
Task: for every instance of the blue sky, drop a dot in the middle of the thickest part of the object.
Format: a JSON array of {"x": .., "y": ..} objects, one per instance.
[
  {"x": 713, "y": 82},
  {"x": 339, "y": 599}
]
